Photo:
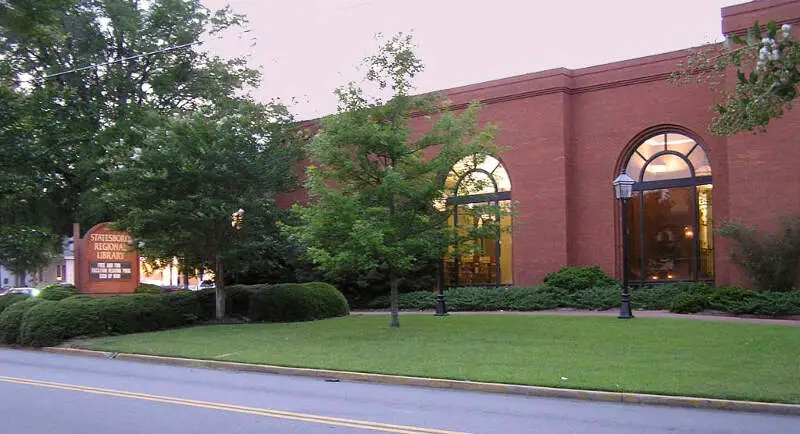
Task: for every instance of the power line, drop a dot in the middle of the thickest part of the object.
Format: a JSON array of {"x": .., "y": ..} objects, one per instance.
[{"x": 123, "y": 59}]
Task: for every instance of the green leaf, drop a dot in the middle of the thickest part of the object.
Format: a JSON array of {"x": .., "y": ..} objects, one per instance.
[
  {"x": 757, "y": 31},
  {"x": 772, "y": 29}
]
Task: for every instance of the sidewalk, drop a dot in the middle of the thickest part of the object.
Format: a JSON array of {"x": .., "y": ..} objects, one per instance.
[{"x": 790, "y": 321}]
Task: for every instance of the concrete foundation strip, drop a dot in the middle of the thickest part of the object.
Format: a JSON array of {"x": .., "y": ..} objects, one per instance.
[{"x": 550, "y": 392}]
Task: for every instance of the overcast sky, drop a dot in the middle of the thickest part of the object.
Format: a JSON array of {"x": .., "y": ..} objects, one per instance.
[{"x": 306, "y": 48}]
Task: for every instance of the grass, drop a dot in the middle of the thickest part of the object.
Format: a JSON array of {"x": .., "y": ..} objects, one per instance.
[{"x": 651, "y": 355}]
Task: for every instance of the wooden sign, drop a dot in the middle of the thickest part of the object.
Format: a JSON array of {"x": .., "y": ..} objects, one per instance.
[{"x": 107, "y": 262}]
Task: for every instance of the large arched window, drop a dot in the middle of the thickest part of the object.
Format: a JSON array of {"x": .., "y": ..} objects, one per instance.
[
  {"x": 473, "y": 184},
  {"x": 670, "y": 234}
]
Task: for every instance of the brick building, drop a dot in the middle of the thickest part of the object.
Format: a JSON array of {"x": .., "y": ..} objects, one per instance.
[{"x": 571, "y": 132}]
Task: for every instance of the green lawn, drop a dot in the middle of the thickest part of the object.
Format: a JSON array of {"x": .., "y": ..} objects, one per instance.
[{"x": 664, "y": 356}]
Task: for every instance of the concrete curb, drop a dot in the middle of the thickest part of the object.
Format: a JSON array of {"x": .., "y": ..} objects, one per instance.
[{"x": 550, "y": 392}]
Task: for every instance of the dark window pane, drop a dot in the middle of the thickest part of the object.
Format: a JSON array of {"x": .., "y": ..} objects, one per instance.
[{"x": 668, "y": 242}]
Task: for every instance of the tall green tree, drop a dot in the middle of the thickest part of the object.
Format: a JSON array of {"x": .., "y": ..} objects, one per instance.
[
  {"x": 181, "y": 192},
  {"x": 25, "y": 249},
  {"x": 766, "y": 61},
  {"x": 375, "y": 184},
  {"x": 87, "y": 74}
]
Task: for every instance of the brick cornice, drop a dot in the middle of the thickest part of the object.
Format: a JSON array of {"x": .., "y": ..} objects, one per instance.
[{"x": 563, "y": 89}]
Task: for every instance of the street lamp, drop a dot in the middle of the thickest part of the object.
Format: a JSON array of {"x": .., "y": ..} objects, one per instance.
[
  {"x": 237, "y": 219},
  {"x": 623, "y": 190}
]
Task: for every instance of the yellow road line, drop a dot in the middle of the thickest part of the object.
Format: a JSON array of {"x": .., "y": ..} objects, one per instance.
[{"x": 278, "y": 414}]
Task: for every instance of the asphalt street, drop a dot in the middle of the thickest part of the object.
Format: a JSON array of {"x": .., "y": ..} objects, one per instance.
[{"x": 59, "y": 394}]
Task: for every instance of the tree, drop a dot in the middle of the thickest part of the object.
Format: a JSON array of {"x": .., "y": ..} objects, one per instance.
[
  {"x": 767, "y": 75},
  {"x": 24, "y": 249},
  {"x": 179, "y": 194},
  {"x": 85, "y": 88},
  {"x": 375, "y": 184}
]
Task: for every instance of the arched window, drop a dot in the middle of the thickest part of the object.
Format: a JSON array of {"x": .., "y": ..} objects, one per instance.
[
  {"x": 670, "y": 234},
  {"x": 475, "y": 184}
]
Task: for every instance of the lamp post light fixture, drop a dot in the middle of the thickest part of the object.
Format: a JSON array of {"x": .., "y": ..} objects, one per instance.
[
  {"x": 623, "y": 191},
  {"x": 237, "y": 218}
]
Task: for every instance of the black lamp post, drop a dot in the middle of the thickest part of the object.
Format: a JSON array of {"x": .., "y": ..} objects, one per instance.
[
  {"x": 441, "y": 309},
  {"x": 623, "y": 190}
]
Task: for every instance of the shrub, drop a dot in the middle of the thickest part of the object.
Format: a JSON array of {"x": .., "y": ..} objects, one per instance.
[
  {"x": 284, "y": 302},
  {"x": 689, "y": 302},
  {"x": 770, "y": 260},
  {"x": 11, "y": 320},
  {"x": 775, "y": 304},
  {"x": 534, "y": 298},
  {"x": 289, "y": 302},
  {"x": 597, "y": 298},
  {"x": 186, "y": 307},
  {"x": 57, "y": 292},
  {"x": 49, "y": 323},
  {"x": 237, "y": 300},
  {"x": 332, "y": 302},
  {"x": 733, "y": 299},
  {"x": 9, "y": 299},
  {"x": 125, "y": 314},
  {"x": 148, "y": 288},
  {"x": 579, "y": 278}
]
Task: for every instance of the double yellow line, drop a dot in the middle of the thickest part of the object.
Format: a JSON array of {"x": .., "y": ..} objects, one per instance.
[{"x": 277, "y": 414}]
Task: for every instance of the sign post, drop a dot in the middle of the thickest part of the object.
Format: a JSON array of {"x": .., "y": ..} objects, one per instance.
[{"x": 107, "y": 262}]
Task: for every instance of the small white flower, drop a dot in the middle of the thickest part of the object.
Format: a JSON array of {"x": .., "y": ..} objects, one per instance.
[
  {"x": 564, "y": 378},
  {"x": 775, "y": 54},
  {"x": 786, "y": 30}
]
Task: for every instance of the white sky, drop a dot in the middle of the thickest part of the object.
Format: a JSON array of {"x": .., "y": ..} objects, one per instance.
[{"x": 306, "y": 48}]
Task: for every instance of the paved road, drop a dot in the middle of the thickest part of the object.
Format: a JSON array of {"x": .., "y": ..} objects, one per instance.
[{"x": 58, "y": 394}]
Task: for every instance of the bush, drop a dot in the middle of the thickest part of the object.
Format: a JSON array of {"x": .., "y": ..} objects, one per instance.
[
  {"x": 57, "y": 292},
  {"x": 9, "y": 299},
  {"x": 733, "y": 299},
  {"x": 689, "y": 302},
  {"x": 186, "y": 307},
  {"x": 774, "y": 304},
  {"x": 125, "y": 314},
  {"x": 579, "y": 278},
  {"x": 470, "y": 298},
  {"x": 332, "y": 302},
  {"x": 770, "y": 260},
  {"x": 49, "y": 323},
  {"x": 534, "y": 298},
  {"x": 148, "y": 288},
  {"x": 289, "y": 302},
  {"x": 11, "y": 320},
  {"x": 482, "y": 299},
  {"x": 657, "y": 297},
  {"x": 597, "y": 298},
  {"x": 237, "y": 300}
]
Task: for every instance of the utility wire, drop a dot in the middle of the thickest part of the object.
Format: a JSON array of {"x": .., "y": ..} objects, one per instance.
[{"x": 123, "y": 59}]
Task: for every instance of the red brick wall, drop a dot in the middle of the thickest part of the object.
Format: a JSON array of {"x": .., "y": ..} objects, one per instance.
[{"x": 569, "y": 133}]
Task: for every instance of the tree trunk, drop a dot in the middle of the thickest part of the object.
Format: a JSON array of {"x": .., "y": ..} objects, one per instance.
[
  {"x": 185, "y": 279},
  {"x": 219, "y": 288},
  {"x": 393, "y": 284}
]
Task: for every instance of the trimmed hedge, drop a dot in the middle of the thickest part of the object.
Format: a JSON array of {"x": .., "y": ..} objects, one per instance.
[
  {"x": 40, "y": 322},
  {"x": 57, "y": 292},
  {"x": 49, "y": 323},
  {"x": 148, "y": 288},
  {"x": 11, "y": 320},
  {"x": 578, "y": 278},
  {"x": 9, "y": 299},
  {"x": 677, "y": 297},
  {"x": 289, "y": 302}
]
